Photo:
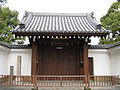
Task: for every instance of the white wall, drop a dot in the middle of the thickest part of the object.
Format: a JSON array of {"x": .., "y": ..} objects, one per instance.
[
  {"x": 115, "y": 60},
  {"x": 4, "y": 52},
  {"x": 25, "y": 61},
  {"x": 101, "y": 61},
  {"x": 106, "y": 62}
]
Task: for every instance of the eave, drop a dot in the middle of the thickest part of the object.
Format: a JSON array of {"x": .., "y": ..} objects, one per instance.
[{"x": 61, "y": 34}]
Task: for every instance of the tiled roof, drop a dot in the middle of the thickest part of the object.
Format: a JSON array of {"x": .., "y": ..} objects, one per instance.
[
  {"x": 104, "y": 46},
  {"x": 28, "y": 47},
  {"x": 20, "y": 47},
  {"x": 59, "y": 23},
  {"x": 114, "y": 45},
  {"x": 14, "y": 46},
  {"x": 99, "y": 46},
  {"x": 4, "y": 44},
  {"x": 90, "y": 46}
]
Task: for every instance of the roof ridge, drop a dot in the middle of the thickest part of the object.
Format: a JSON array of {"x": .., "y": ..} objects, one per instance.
[{"x": 59, "y": 14}]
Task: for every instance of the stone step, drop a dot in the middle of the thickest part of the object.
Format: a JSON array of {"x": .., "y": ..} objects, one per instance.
[{"x": 4, "y": 88}]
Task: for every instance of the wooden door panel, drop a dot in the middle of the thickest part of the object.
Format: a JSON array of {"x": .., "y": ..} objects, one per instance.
[
  {"x": 66, "y": 61},
  {"x": 57, "y": 62},
  {"x": 91, "y": 66}
]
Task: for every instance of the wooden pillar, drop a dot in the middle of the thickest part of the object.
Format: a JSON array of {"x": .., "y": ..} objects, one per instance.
[
  {"x": 78, "y": 60},
  {"x": 85, "y": 58},
  {"x": 81, "y": 69},
  {"x": 34, "y": 58},
  {"x": 86, "y": 63}
]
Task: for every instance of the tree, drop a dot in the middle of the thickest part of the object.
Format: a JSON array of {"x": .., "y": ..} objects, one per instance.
[
  {"x": 111, "y": 21},
  {"x": 8, "y": 21},
  {"x": 2, "y": 2}
]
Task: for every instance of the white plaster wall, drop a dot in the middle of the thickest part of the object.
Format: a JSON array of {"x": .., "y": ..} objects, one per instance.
[
  {"x": 25, "y": 61},
  {"x": 115, "y": 60},
  {"x": 106, "y": 62},
  {"x": 101, "y": 61},
  {"x": 4, "y": 52}
]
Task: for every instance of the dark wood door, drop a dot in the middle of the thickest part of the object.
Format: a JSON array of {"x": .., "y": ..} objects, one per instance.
[
  {"x": 91, "y": 66},
  {"x": 57, "y": 60}
]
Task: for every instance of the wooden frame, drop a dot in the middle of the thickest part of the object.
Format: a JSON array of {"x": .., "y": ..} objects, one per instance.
[
  {"x": 60, "y": 81},
  {"x": 34, "y": 58},
  {"x": 81, "y": 57},
  {"x": 60, "y": 34}
]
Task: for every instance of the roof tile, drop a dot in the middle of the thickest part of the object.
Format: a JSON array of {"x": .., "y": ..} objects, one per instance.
[{"x": 59, "y": 23}]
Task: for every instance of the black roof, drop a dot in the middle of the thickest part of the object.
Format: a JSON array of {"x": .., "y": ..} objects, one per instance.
[{"x": 83, "y": 23}]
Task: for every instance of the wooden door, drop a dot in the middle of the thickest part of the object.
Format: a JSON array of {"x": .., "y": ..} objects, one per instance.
[
  {"x": 57, "y": 60},
  {"x": 91, "y": 66}
]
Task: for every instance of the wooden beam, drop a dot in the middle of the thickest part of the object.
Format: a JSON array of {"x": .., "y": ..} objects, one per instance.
[
  {"x": 34, "y": 58},
  {"x": 78, "y": 59},
  {"x": 59, "y": 34},
  {"x": 61, "y": 40},
  {"x": 85, "y": 58},
  {"x": 81, "y": 59}
]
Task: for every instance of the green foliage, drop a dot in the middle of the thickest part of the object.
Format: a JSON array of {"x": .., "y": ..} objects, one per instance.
[
  {"x": 118, "y": 0},
  {"x": 8, "y": 20},
  {"x": 111, "y": 21},
  {"x": 87, "y": 88}
]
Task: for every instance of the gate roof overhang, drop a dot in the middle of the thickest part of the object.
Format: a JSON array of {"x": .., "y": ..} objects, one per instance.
[{"x": 54, "y": 25}]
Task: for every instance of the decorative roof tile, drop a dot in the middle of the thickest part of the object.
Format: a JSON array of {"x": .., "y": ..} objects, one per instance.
[{"x": 59, "y": 23}]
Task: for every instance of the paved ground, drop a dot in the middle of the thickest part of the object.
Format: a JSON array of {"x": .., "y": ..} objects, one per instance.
[{"x": 58, "y": 88}]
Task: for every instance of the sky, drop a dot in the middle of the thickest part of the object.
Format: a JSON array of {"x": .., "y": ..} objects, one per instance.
[{"x": 99, "y": 7}]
